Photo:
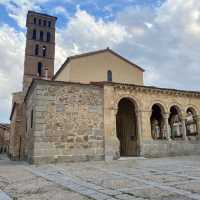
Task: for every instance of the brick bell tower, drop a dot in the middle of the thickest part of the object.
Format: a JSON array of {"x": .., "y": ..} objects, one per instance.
[{"x": 40, "y": 47}]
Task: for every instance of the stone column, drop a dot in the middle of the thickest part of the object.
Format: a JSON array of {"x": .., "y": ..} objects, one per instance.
[
  {"x": 139, "y": 132},
  {"x": 184, "y": 128},
  {"x": 197, "y": 118},
  {"x": 167, "y": 128}
]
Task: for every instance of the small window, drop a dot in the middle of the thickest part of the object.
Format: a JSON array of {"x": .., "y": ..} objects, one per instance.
[
  {"x": 44, "y": 50},
  {"x": 40, "y": 22},
  {"x": 109, "y": 75},
  {"x": 39, "y": 69},
  {"x": 34, "y": 34},
  {"x": 34, "y": 20},
  {"x": 44, "y": 23},
  {"x": 36, "y": 49},
  {"x": 49, "y": 24},
  {"x": 31, "y": 118},
  {"x": 48, "y": 36},
  {"x": 41, "y": 35}
]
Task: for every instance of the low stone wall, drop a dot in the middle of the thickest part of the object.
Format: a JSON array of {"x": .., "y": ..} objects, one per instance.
[
  {"x": 161, "y": 148},
  {"x": 67, "y": 122}
]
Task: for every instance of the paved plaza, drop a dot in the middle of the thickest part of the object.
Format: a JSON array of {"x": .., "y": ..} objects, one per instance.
[{"x": 175, "y": 178}]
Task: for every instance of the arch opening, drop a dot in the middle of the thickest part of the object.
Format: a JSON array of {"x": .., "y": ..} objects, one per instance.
[
  {"x": 127, "y": 130},
  {"x": 175, "y": 123},
  {"x": 191, "y": 123},
  {"x": 157, "y": 122}
]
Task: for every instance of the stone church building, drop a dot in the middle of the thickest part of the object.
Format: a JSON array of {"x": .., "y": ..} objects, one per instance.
[{"x": 95, "y": 107}]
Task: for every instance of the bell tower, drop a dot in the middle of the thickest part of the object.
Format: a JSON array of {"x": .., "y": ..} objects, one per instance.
[{"x": 40, "y": 47}]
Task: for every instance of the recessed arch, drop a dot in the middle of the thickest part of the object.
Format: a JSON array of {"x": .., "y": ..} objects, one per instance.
[
  {"x": 179, "y": 107},
  {"x": 175, "y": 121},
  {"x": 194, "y": 109},
  {"x": 127, "y": 128},
  {"x": 157, "y": 121},
  {"x": 161, "y": 104},
  {"x": 191, "y": 122},
  {"x": 133, "y": 99}
]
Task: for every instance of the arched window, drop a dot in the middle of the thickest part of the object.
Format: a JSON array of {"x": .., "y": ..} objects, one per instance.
[
  {"x": 40, "y": 22},
  {"x": 44, "y": 50},
  {"x": 36, "y": 49},
  {"x": 48, "y": 36},
  {"x": 39, "y": 69},
  {"x": 109, "y": 75},
  {"x": 49, "y": 24},
  {"x": 34, "y": 34},
  {"x": 34, "y": 20},
  {"x": 41, "y": 35},
  {"x": 44, "y": 23}
]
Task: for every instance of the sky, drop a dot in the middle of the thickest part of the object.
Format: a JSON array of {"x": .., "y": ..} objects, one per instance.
[{"x": 161, "y": 36}]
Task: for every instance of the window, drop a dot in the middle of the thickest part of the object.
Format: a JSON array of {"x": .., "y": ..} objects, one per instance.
[
  {"x": 34, "y": 34},
  {"x": 39, "y": 69},
  {"x": 49, "y": 24},
  {"x": 44, "y": 49},
  {"x": 31, "y": 118},
  {"x": 40, "y": 22},
  {"x": 109, "y": 75},
  {"x": 41, "y": 35},
  {"x": 34, "y": 20},
  {"x": 48, "y": 36},
  {"x": 36, "y": 49},
  {"x": 44, "y": 23}
]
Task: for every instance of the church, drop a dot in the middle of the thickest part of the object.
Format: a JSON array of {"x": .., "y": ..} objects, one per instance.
[{"x": 95, "y": 107}]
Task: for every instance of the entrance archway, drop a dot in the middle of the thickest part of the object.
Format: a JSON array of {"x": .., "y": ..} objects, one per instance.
[{"x": 127, "y": 132}]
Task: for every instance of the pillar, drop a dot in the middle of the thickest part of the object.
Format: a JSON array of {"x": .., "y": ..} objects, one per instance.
[
  {"x": 197, "y": 118},
  {"x": 166, "y": 117},
  {"x": 183, "y": 121}
]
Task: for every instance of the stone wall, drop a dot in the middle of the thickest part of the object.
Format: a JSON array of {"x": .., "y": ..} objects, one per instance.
[
  {"x": 67, "y": 122},
  {"x": 17, "y": 139}
]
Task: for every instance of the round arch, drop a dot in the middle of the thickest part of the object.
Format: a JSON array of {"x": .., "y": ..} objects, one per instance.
[
  {"x": 133, "y": 99},
  {"x": 193, "y": 108},
  {"x": 161, "y": 105},
  {"x": 175, "y": 121},
  {"x": 127, "y": 127},
  {"x": 178, "y": 106},
  {"x": 157, "y": 121}
]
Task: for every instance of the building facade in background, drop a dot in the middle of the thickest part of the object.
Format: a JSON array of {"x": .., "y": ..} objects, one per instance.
[
  {"x": 4, "y": 138},
  {"x": 95, "y": 107}
]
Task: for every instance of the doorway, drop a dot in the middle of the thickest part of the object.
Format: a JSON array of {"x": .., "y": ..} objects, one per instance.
[{"x": 127, "y": 128}]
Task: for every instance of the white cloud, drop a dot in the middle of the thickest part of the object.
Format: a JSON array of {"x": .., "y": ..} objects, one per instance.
[
  {"x": 86, "y": 33},
  {"x": 12, "y": 45},
  {"x": 18, "y": 9}
]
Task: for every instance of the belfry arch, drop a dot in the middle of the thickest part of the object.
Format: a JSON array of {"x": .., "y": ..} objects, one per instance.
[{"x": 127, "y": 128}]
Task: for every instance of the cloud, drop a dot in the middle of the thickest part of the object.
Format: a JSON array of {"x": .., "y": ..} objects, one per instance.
[
  {"x": 86, "y": 33},
  {"x": 18, "y": 9},
  {"x": 169, "y": 48},
  {"x": 12, "y": 49}
]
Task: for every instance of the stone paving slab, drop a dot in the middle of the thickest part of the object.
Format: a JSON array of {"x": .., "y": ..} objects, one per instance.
[{"x": 175, "y": 178}]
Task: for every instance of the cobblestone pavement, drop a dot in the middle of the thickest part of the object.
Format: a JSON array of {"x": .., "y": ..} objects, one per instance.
[{"x": 176, "y": 178}]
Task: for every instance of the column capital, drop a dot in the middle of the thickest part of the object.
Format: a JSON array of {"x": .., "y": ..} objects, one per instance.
[{"x": 166, "y": 115}]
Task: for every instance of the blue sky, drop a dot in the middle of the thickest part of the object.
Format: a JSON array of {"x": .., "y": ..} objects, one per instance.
[{"x": 162, "y": 36}]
